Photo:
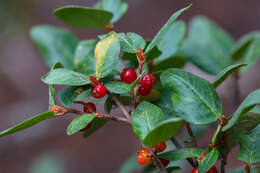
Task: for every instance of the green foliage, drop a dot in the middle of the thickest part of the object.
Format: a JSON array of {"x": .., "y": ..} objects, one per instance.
[
  {"x": 55, "y": 44},
  {"x": 65, "y": 77},
  {"x": 210, "y": 49},
  {"x": 250, "y": 101},
  {"x": 193, "y": 98},
  {"x": 166, "y": 32},
  {"x": 176, "y": 97},
  {"x": 249, "y": 148},
  {"x": 244, "y": 125},
  {"x": 148, "y": 122},
  {"x": 208, "y": 161},
  {"x": 84, "y": 58},
  {"x": 180, "y": 154},
  {"x": 83, "y": 17},
  {"x": 69, "y": 94},
  {"x": 117, "y": 7},
  {"x": 28, "y": 123},
  {"x": 107, "y": 55},
  {"x": 118, "y": 87},
  {"x": 220, "y": 77},
  {"x": 130, "y": 42},
  {"x": 80, "y": 123}
]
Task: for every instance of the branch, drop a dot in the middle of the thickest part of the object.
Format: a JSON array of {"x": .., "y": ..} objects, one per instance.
[
  {"x": 121, "y": 106},
  {"x": 187, "y": 125},
  {"x": 178, "y": 145}
]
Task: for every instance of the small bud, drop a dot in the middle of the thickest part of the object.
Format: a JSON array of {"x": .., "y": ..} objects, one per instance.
[
  {"x": 94, "y": 81},
  {"x": 201, "y": 157},
  {"x": 79, "y": 90},
  {"x": 223, "y": 120},
  {"x": 59, "y": 110},
  {"x": 247, "y": 168},
  {"x": 109, "y": 27}
]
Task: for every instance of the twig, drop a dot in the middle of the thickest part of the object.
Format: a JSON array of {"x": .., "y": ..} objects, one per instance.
[
  {"x": 156, "y": 161},
  {"x": 79, "y": 102},
  {"x": 187, "y": 125},
  {"x": 121, "y": 106},
  {"x": 222, "y": 165},
  {"x": 178, "y": 145}
]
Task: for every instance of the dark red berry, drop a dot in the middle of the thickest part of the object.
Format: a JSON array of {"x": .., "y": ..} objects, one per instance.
[
  {"x": 159, "y": 147},
  {"x": 148, "y": 81},
  {"x": 213, "y": 169},
  {"x": 144, "y": 157},
  {"x": 128, "y": 75},
  {"x": 99, "y": 91},
  {"x": 144, "y": 91},
  {"x": 86, "y": 128},
  {"x": 164, "y": 162},
  {"x": 89, "y": 107}
]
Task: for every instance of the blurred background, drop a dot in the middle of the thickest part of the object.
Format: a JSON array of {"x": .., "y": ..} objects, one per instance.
[{"x": 45, "y": 148}]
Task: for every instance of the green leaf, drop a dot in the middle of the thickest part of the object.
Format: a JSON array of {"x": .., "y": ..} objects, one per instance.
[
  {"x": 180, "y": 154},
  {"x": 151, "y": 125},
  {"x": 79, "y": 123},
  {"x": 69, "y": 94},
  {"x": 96, "y": 124},
  {"x": 171, "y": 41},
  {"x": 130, "y": 165},
  {"x": 240, "y": 48},
  {"x": 52, "y": 101},
  {"x": 83, "y": 17},
  {"x": 249, "y": 102},
  {"x": 28, "y": 123},
  {"x": 117, "y": 7},
  {"x": 225, "y": 73},
  {"x": 118, "y": 87},
  {"x": 194, "y": 99},
  {"x": 249, "y": 148},
  {"x": 244, "y": 125},
  {"x": 210, "y": 50},
  {"x": 208, "y": 161},
  {"x": 154, "y": 94},
  {"x": 65, "y": 77},
  {"x": 133, "y": 85},
  {"x": 252, "y": 54},
  {"x": 254, "y": 169},
  {"x": 107, "y": 55},
  {"x": 165, "y": 103},
  {"x": 55, "y": 44},
  {"x": 172, "y": 62},
  {"x": 84, "y": 59},
  {"x": 166, "y": 32},
  {"x": 131, "y": 42}
]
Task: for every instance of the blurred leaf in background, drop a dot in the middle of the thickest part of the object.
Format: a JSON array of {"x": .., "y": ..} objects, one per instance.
[{"x": 47, "y": 163}]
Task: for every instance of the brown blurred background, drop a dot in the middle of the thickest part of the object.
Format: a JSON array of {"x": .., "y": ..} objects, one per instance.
[{"x": 46, "y": 146}]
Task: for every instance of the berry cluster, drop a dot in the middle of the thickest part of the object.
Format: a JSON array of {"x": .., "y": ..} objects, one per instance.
[
  {"x": 144, "y": 156},
  {"x": 128, "y": 75}
]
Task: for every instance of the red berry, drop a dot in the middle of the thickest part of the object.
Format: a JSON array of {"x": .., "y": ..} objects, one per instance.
[
  {"x": 148, "y": 81},
  {"x": 164, "y": 162},
  {"x": 144, "y": 157},
  {"x": 99, "y": 91},
  {"x": 86, "y": 128},
  {"x": 128, "y": 75},
  {"x": 213, "y": 169},
  {"x": 144, "y": 91},
  {"x": 89, "y": 107},
  {"x": 159, "y": 147}
]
